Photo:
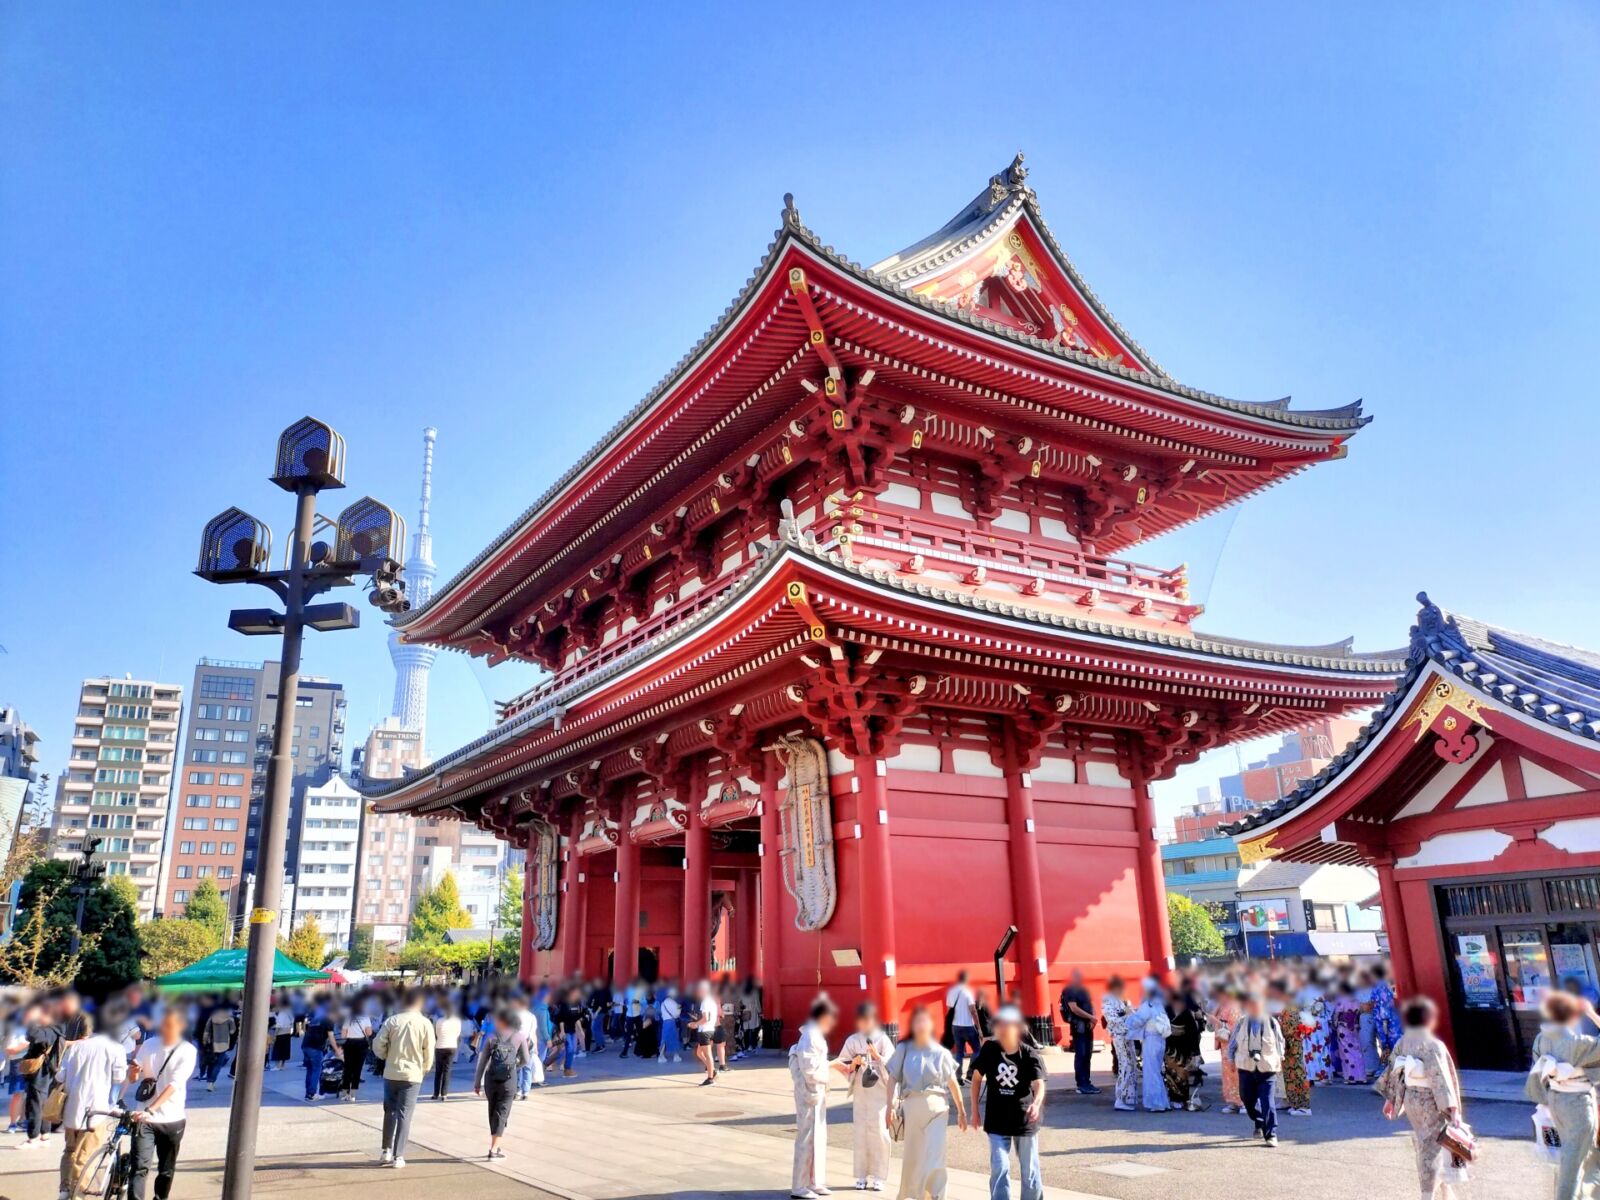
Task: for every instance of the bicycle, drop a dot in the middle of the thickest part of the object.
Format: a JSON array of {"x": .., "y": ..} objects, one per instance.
[{"x": 107, "y": 1174}]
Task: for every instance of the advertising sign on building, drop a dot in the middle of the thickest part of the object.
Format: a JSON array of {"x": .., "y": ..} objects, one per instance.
[{"x": 1264, "y": 916}]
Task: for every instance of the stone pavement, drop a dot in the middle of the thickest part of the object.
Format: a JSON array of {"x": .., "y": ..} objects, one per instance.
[{"x": 635, "y": 1129}]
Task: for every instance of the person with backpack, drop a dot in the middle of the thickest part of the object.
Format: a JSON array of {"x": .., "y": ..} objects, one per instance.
[
  {"x": 503, "y": 1054},
  {"x": 40, "y": 1061}
]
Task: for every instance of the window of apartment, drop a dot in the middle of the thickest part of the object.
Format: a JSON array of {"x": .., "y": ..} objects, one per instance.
[
  {"x": 205, "y": 733},
  {"x": 226, "y": 824},
  {"x": 236, "y": 735},
  {"x": 185, "y": 847},
  {"x": 227, "y": 802},
  {"x": 235, "y": 756},
  {"x": 198, "y": 801},
  {"x": 297, "y": 731},
  {"x": 224, "y": 872},
  {"x": 180, "y": 896},
  {"x": 203, "y": 756},
  {"x": 196, "y": 823},
  {"x": 208, "y": 712},
  {"x": 230, "y": 847},
  {"x": 239, "y": 712},
  {"x": 204, "y": 872},
  {"x": 201, "y": 777},
  {"x": 316, "y": 732},
  {"x": 227, "y": 687},
  {"x": 231, "y": 779}
]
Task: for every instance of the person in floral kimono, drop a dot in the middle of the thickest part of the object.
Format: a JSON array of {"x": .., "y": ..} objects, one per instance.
[
  {"x": 1385, "y": 1012},
  {"x": 1114, "y": 1013},
  {"x": 1313, "y": 1001},
  {"x": 1347, "y": 1034},
  {"x": 1150, "y": 1026},
  {"x": 1296, "y": 1083},
  {"x": 1224, "y": 1016}
]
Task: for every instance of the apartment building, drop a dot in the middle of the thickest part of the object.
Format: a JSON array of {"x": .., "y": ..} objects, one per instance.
[
  {"x": 330, "y": 830},
  {"x": 18, "y": 754},
  {"x": 118, "y": 780},
  {"x": 222, "y": 784}
]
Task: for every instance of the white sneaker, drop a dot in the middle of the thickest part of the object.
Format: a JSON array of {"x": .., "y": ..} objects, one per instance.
[
  {"x": 876, "y": 1185},
  {"x": 806, "y": 1194},
  {"x": 386, "y": 1158},
  {"x": 661, "y": 1058},
  {"x": 677, "y": 1058},
  {"x": 212, "y": 1086},
  {"x": 398, "y": 1164}
]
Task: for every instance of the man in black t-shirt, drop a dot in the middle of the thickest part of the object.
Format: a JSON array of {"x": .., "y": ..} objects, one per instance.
[
  {"x": 1077, "y": 1009},
  {"x": 1010, "y": 1075}
]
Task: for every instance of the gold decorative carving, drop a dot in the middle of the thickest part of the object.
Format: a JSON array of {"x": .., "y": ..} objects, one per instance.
[{"x": 1258, "y": 850}]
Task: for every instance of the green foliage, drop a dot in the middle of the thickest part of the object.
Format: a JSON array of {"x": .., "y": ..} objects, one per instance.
[
  {"x": 1194, "y": 933},
  {"x": 360, "y": 948},
  {"x": 437, "y": 911},
  {"x": 172, "y": 943},
  {"x": 429, "y": 958},
  {"x": 109, "y": 955},
  {"x": 126, "y": 890},
  {"x": 508, "y": 916},
  {"x": 306, "y": 945},
  {"x": 207, "y": 907}
]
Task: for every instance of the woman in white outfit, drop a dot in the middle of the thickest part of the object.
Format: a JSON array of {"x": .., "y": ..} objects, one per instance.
[
  {"x": 1150, "y": 1027},
  {"x": 809, "y": 1064},
  {"x": 922, "y": 1079},
  {"x": 864, "y": 1062}
]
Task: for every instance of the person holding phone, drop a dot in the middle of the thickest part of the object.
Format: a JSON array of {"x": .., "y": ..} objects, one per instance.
[
  {"x": 161, "y": 1070},
  {"x": 864, "y": 1063}
]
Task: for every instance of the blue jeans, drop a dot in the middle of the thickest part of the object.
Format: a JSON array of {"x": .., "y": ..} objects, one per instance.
[
  {"x": 571, "y": 1055},
  {"x": 313, "y": 1060},
  {"x": 524, "y": 1079},
  {"x": 964, "y": 1036},
  {"x": 1255, "y": 1089},
  {"x": 670, "y": 1042},
  {"x": 1000, "y": 1166},
  {"x": 212, "y": 1062},
  {"x": 597, "y": 1032}
]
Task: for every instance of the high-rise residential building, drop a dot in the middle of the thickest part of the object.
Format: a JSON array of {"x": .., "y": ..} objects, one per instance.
[
  {"x": 389, "y": 870},
  {"x": 330, "y": 829},
  {"x": 18, "y": 754},
  {"x": 119, "y": 778},
  {"x": 222, "y": 780}
]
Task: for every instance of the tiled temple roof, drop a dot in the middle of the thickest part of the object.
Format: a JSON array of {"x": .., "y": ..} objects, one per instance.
[
  {"x": 892, "y": 279},
  {"x": 1556, "y": 684},
  {"x": 1333, "y": 657}
]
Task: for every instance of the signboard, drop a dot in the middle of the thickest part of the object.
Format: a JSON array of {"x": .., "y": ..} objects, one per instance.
[
  {"x": 1479, "y": 987},
  {"x": 805, "y": 817},
  {"x": 1264, "y": 916}
]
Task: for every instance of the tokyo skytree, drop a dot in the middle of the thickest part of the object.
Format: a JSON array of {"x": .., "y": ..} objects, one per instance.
[{"x": 412, "y": 663}]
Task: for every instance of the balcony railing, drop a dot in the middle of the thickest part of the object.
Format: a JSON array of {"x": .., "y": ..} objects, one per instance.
[{"x": 1005, "y": 555}]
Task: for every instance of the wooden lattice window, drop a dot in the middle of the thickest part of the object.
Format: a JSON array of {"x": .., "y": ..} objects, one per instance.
[
  {"x": 1509, "y": 897},
  {"x": 1574, "y": 893}
]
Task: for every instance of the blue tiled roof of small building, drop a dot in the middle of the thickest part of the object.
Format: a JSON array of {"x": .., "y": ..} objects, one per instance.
[{"x": 1557, "y": 684}]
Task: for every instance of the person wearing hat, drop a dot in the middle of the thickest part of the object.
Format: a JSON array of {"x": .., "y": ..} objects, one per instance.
[
  {"x": 1010, "y": 1075},
  {"x": 863, "y": 1062}
]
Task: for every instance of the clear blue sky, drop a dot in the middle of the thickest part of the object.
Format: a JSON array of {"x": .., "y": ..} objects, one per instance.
[{"x": 509, "y": 221}]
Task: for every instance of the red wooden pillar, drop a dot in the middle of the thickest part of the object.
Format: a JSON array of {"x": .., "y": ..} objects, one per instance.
[
  {"x": 1152, "y": 884},
  {"x": 876, "y": 885},
  {"x": 771, "y": 889},
  {"x": 1027, "y": 896},
  {"x": 1394, "y": 921},
  {"x": 745, "y": 920},
  {"x": 625, "y": 935},
  {"x": 696, "y": 886},
  {"x": 574, "y": 899}
]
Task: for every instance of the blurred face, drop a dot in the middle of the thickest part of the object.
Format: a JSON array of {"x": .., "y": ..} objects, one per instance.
[
  {"x": 922, "y": 1028},
  {"x": 867, "y": 1023},
  {"x": 172, "y": 1027},
  {"x": 826, "y": 1022}
]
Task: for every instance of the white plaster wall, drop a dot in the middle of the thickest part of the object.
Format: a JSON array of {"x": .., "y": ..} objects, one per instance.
[
  {"x": 1580, "y": 836},
  {"x": 1102, "y": 773},
  {"x": 916, "y": 758},
  {"x": 1056, "y": 770},
  {"x": 1470, "y": 846},
  {"x": 974, "y": 762}
]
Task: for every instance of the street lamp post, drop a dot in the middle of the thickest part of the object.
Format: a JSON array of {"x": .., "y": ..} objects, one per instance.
[
  {"x": 85, "y": 874},
  {"x": 236, "y": 548}
]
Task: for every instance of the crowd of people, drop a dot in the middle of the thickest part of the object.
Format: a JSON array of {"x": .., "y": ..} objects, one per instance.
[{"x": 1252, "y": 1039}]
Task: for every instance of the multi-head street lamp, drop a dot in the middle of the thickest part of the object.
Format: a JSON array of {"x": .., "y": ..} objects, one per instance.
[{"x": 369, "y": 540}]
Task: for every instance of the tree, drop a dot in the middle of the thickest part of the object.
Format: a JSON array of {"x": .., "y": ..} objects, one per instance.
[
  {"x": 108, "y": 954},
  {"x": 126, "y": 890},
  {"x": 306, "y": 945},
  {"x": 508, "y": 917},
  {"x": 1194, "y": 933},
  {"x": 438, "y": 910},
  {"x": 206, "y": 906},
  {"x": 172, "y": 943},
  {"x": 360, "y": 948}
]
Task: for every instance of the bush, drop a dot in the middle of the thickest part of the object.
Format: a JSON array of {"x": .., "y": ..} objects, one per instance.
[
  {"x": 1194, "y": 933},
  {"x": 172, "y": 943}
]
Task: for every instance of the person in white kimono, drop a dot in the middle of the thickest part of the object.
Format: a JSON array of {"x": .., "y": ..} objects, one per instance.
[
  {"x": 1114, "y": 1013},
  {"x": 864, "y": 1061},
  {"x": 809, "y": 1064},
  {"x": 1150, "y": 1027},
  {"x": 1566, "y": 1070}
]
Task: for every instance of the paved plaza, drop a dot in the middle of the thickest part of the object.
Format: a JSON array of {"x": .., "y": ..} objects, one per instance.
[{"x": 632, "y": 1129}]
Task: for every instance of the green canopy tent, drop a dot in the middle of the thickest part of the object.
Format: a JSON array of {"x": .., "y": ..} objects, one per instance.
[{"x": 224, "y": 970}]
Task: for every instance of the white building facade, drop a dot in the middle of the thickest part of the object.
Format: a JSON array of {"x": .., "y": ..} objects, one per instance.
[{"x": 330, "y": 832}]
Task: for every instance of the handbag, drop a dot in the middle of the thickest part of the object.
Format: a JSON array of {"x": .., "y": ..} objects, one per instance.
[
  {"x": 146, "y": 1091},
  {"x": 30, "y": 1066},
  {"x": 1546, "y": 1138},
  {"x": 1457, "y": 1138},
  {"x": 55, "y": 1105}
]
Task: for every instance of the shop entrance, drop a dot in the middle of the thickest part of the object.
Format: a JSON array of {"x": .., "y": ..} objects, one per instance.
[{"x": 1509, "y": 942}]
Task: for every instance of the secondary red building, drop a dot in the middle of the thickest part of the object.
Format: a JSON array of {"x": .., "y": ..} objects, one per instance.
[
  {"x": 848, "y": 672},
  {"x": 1475, "y": 792}
]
